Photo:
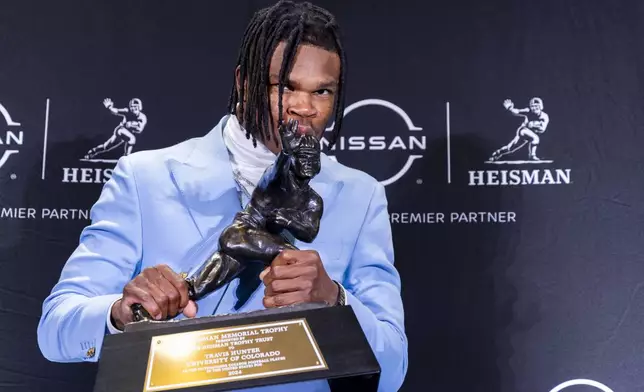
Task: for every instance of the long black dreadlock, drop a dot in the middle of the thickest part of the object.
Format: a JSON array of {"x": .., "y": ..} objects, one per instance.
[{"x": 294, "y": 24}]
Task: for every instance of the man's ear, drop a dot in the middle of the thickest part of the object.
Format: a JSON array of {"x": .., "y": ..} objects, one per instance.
[
  {"x": 238, "y": 87},
  {"x": 237, "y": 71},
  {"x": 238, "y": 81}
]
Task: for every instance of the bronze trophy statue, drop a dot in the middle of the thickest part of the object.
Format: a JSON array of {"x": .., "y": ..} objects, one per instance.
[{"x": 282, "y": 203}]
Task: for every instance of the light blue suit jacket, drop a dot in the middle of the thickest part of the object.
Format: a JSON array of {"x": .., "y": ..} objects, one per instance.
[{"x": 162, "y": 206}]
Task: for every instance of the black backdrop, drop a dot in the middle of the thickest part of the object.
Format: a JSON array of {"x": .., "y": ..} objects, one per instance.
[{"x": 530, "y": 278}]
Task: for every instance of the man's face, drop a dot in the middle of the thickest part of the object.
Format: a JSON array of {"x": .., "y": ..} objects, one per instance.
[
  {"x": 309, "y": 93},
  {"x": 535, "y": 107}
]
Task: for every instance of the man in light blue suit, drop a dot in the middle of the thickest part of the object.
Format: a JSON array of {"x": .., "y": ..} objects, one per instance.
[{"x": 156, "y": 216}]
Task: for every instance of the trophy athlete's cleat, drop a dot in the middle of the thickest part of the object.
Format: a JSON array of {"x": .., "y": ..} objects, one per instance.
[{"x": 282, "y": 202}]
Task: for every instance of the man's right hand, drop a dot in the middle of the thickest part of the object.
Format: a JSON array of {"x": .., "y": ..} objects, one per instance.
[{"x": 161, "y": 291}]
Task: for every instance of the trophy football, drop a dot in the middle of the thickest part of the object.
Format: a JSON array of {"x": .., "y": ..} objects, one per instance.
[{"x": 265, "y": 347}]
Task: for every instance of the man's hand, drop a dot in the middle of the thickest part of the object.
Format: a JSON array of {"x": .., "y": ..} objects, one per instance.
[
  {"x": 297, "y": 276},
  {"x": 161, "y": 291}
]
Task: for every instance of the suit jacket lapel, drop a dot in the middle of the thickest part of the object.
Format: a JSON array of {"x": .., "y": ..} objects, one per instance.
[
  {"x": 328, "y": 188},
  {"x": 206, "y": 184}
]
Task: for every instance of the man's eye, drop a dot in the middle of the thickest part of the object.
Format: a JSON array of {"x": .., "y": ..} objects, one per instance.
[{"x": 325, "y": 91}]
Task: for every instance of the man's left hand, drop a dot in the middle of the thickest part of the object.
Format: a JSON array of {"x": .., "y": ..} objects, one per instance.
[{"x": 297, "y": 276}]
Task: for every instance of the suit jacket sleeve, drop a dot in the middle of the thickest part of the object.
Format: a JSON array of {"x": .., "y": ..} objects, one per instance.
[
  {"x": 73, "y": 320},
  {"x": 373, "y": 291}
]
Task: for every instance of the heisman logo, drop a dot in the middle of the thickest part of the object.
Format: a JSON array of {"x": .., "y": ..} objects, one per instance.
[
  {"x": 528, "y": 134},
  {"x": 10, "y": 139},
  {"x": 132, "y": 124},
  {"x": 414, "y": 141},
  {"x": 133, "y": 121},
  {"x": 535, "y": 122}
]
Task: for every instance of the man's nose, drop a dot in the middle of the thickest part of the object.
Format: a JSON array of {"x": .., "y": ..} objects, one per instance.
[{"x": 300, "y": 104}]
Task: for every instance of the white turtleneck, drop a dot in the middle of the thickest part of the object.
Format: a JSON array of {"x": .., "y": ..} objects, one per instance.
[{"x": 247, "y": 161}]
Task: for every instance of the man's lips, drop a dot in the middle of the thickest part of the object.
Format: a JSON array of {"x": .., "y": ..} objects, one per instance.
[{"x": 305, "y": 130}]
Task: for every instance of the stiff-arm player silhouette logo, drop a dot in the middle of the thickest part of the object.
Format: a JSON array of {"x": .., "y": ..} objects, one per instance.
[
  {"x": 133, "y": 122},
  {"x": 535, "y": 122}
]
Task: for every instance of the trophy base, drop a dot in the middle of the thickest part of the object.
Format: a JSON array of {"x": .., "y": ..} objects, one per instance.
[{"x": 275, "y": 346}]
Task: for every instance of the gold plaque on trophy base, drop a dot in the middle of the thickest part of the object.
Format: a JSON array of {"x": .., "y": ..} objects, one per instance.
[{"x": 220, "y": 355}]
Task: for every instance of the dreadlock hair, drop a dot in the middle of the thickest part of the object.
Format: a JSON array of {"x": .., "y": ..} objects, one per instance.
[{"x": 294, "y": 24}]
